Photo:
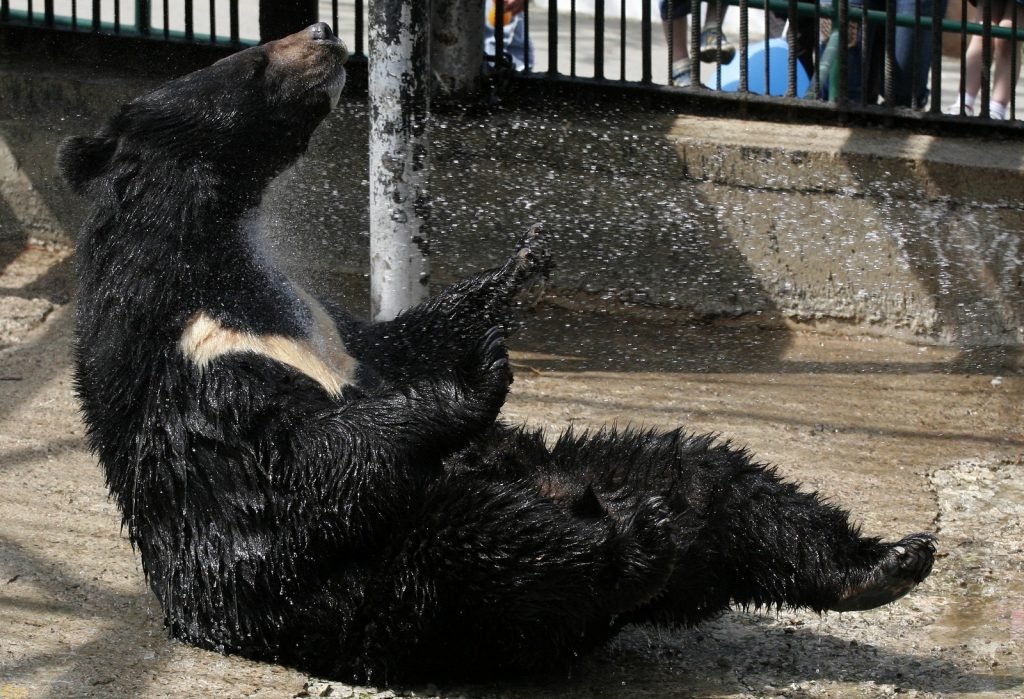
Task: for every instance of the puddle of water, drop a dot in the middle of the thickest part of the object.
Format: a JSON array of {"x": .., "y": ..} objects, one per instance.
[{"x": 981, "y": 510}]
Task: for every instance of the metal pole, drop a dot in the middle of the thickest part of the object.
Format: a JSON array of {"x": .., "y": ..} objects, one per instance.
[
  {"x": 456, "y": 57},
  {"x": 399, "y": 82}
]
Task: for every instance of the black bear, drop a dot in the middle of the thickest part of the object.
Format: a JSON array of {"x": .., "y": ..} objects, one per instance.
[{"x": 338, "y": 495}]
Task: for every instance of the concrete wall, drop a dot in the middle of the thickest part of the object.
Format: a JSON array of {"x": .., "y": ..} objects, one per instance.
[{"x": 880, "y": 232}]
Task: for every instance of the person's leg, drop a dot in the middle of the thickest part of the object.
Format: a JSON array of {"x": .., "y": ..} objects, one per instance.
[
  {"x": 913, "y": 54},
  {"x": 972, "y": 70},
  {"x": 677, "y": 36},
  {"x": 1005, "y": 70},
  {"x": 714, "y": 44}
]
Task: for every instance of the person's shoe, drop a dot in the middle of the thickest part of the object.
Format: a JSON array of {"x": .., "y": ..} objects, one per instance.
[
  {"x": 954, "y": 109},
  {"x": 715, "y": 46},
  {"x": 681, "y": 72},
  {"x": 997, "y": 111}
]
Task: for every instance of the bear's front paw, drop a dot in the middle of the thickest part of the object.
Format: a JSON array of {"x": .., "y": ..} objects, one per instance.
[
  {"x": 487, "y": 370},
  {"x": 531, "y": 256}
]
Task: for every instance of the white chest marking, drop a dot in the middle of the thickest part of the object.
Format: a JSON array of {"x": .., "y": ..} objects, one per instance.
[{"x": 321, "y": 357}]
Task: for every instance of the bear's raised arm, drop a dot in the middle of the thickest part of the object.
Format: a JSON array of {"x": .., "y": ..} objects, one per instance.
[{"x": 427, "y": 338}]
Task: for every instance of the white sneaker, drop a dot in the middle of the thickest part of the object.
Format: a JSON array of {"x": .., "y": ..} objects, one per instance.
[
  {"x": 681, "y": 72},
  {"x": 954, "y": 108},
  {"x": 997, "y": 111}
]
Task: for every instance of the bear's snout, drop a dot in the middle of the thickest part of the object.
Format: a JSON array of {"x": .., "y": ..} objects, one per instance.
[
  {"x": 321, "y": 31},
  {"x": 311, "y": 44}
]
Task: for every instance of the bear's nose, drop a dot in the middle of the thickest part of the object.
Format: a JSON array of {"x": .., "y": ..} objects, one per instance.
[{"x": 321, "y": 31}]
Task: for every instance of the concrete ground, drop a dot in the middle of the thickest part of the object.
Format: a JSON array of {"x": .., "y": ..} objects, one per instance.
[{"x": 909, "y": 438}]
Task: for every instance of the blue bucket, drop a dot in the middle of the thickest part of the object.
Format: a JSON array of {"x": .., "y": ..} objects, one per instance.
[{"x": 778, "y": 55}]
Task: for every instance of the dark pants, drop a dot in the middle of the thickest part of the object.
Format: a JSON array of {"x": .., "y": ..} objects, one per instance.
[{"x": 912, "y": 47}]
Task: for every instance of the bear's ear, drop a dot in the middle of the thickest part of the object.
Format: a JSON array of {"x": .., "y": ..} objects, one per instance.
[{"x": 82, "y": 158}]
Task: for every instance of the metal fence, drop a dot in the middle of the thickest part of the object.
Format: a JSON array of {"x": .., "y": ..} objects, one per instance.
[{"x": 898, "y": 56}]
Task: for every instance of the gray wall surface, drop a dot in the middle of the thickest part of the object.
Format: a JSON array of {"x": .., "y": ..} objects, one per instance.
[{"x": 873, "y": 231}]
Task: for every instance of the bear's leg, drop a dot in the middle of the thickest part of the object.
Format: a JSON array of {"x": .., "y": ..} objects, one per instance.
[
  {"x": 495, "y": 577},
  {"x": 424, "y": 338},
  {"x": 745, "y": 536}
]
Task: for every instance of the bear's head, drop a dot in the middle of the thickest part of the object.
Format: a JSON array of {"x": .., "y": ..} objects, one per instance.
[{"x": 247, "y": 116}]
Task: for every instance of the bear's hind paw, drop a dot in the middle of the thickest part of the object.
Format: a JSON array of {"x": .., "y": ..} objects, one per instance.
[{"x": 901, "y": 568}]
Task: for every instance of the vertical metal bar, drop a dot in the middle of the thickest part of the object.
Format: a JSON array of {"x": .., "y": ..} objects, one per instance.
[
  {"x": 334, "y": 18},
  {"x": 96, "y": 15},
  {"x": 791, "y": 45},
  {"x": 553, "y": 37},
  {"x": 572, "y": 38},
  {"x": 695, "y": 44},
  {"x": 645, "y": 43},
  {"x": 527, "y": 66},
  {"x": 213, "y": 21},
  {"x": 599, "y": 39},
  {"x": 48, "y": 13},
  {"x": 963, "y": 54},
  {"x": 622, "y": 40},
  {"x": 31, "y": 12},
  {"x": 670, "y": 33},
  {"x": 499, "y": 33},
  {"x": 865, "y": 56},
  {"x": 233, "y": 21},
  {"x": 143, "y": 17},
  {"x": 716, "y": 7},
  {"x": 1014, "y": 62},
  {"x": 936, "y": 67},
  {"x": 5, "y": 10},
  {"x": 986, "y": 57},
  {"x": 167, "y": 19},
  {"x": 190, "y": 24},
  {"x": 915, "y": 45},
  {"x": 843, "y": 76},
  {"x": 117, "y": 16},
  {"x": 889, "y": 87},
  {"x": 816, "y": 78},
  {"x": 744, "y": 41},
  {"x": 74, "y": 15},
  {"x": 360, "y": 27},
  {"x": 765, "y": 52}
]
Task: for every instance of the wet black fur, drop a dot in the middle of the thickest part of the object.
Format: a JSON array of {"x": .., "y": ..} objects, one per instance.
[{"x": 397, "y": 530}]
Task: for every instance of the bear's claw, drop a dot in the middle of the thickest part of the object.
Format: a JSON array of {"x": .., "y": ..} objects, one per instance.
[
  {"x": 531, "y": 256},
  {"x": 904, "y": 565}
]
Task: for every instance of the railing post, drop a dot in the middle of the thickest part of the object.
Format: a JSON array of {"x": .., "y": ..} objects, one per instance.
[
  {"x": 399, "y": 81},
  {"x": 695, "y": 27},
  {"x": 143, "y": 17},
  {"x": 233, "y": 31},
  {"x": 456, "y": 59},
  {"x": 842, "y": 78},
  {"x": 645, "y": 43},
  {"x": 936, "y": 63},
  {"x": 553, "y": 37},
  {"x": 283, "y": 17},
  {"x": 986, "y": 57}
]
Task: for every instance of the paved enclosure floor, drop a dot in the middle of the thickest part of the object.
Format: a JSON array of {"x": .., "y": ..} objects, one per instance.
[{"x": 910, "y": 438}]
